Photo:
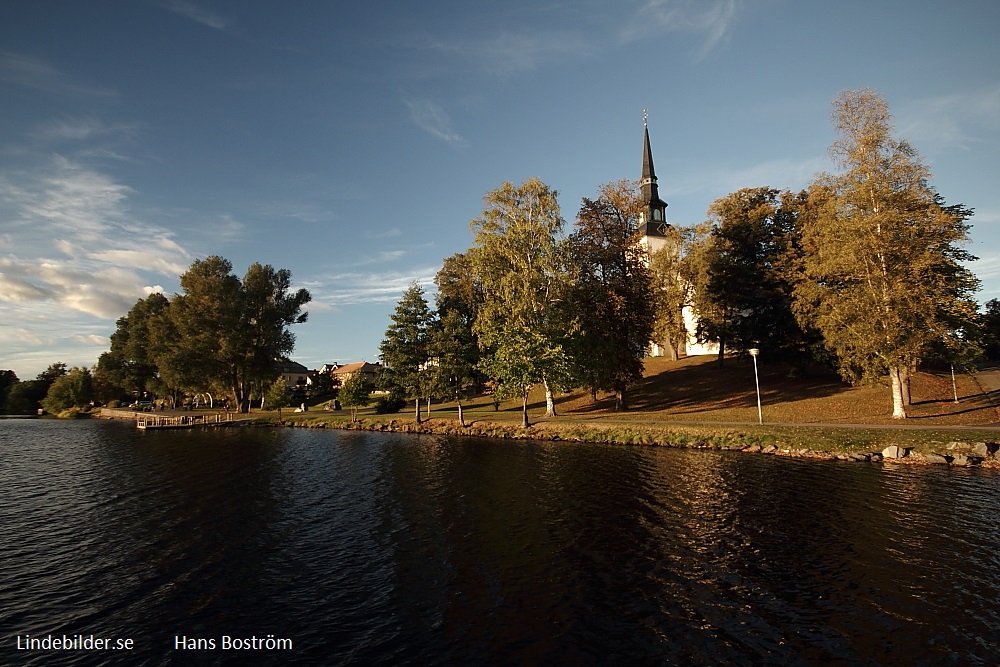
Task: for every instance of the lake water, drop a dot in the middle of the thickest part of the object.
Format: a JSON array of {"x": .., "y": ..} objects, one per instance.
[{"x": 345, "y": 548}]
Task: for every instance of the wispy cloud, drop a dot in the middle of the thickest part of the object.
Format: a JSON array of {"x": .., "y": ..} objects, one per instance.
[
  {"x": 507, "y": 53},
  {"x": 198, "y": 13},
  {"x": 432, "y": 119},
  {"x": 782, "y": 174},
  {"x": 81, "y": 129},
  {"x": 79, "y": 248},
  {"x": 31, "y": 72},
  {"x": 348, "y": 288},
  {"x": 711, "y": 20},
  {"x": 951, "y": 120}
]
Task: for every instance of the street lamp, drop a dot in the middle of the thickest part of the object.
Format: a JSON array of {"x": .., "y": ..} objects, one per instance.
[{"x": 753, "y": 353}]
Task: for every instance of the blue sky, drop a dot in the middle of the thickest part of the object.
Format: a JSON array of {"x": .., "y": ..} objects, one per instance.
[{"x": 352, "y": 142}]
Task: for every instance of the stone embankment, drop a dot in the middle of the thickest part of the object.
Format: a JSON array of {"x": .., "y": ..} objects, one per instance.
[{"x": 959, "y": 454}]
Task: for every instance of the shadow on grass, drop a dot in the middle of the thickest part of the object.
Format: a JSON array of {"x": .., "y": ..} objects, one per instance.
[{"x": 702, "y": 385}]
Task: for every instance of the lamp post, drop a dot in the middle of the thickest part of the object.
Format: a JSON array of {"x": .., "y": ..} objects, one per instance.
[{"x": 753, "y": 353}]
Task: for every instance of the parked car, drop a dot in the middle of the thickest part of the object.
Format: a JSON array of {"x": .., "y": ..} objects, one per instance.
[{"x": 142, "y": 406}]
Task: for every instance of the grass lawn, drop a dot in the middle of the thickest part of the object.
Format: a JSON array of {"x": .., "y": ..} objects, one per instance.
[{"x": 696, "y": 402}]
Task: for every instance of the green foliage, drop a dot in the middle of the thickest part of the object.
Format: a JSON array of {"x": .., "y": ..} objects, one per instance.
[
  {"x": 389, "y": 404},
  {"x": 611, "y": 297},
  {"x": 7, "y": 380},
  {"x": 519, "y": 261},
  {"x": 745, "y": 287},
  {"x": 277, "y": 396},
  {"x": 129, "y": 365},
  {"x": 356, "y": 393},
  {"x": 224, "y": 334},
  {"x": 882, "y": 268},
  {"x": 24, "y": 398},
  {"x": 405, "y": 350},
  {"x": 672, "y": 289},
  {"x": 74, "y": 389},
  {"x": 990, "y": 325}
]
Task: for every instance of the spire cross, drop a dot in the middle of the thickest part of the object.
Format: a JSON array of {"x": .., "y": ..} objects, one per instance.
[{"x": 645, "y": 115}]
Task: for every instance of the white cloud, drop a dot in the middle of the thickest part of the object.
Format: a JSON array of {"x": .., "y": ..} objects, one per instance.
[
  {"x": 10, "y": 335},
  {"x": 198, "y": 14},
  {"x": 80, "y": 129},
  {"x": 709, "y": 19},
  {"x": 950, "y": 120},
  {"x": 342, "y": 289},
  {"x": 16, "y": 289},
  {"x": 434, "y": 120},
  {"x": 31, "y": 72},
  {"x": 91, "y": 339},
  {"x": 105, "y": 256},
  {"x": 508, "y": 52},
  {"x": 782, "y": 174}
]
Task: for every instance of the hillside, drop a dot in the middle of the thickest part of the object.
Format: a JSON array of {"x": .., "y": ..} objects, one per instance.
[{"x": 697, "y": 389}]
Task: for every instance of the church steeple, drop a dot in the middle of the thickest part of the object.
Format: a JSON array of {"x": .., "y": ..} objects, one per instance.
[{"x": 653, "y": 217}]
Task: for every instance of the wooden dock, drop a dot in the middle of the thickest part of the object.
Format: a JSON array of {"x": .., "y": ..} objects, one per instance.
[{"x": 151, "y": 422}]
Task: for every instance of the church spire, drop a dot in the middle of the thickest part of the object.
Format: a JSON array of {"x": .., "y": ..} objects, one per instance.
[{"x": 653, "y": 218}]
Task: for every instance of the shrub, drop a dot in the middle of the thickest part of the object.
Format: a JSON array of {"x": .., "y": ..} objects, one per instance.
[{"x": 387, "y": 405}]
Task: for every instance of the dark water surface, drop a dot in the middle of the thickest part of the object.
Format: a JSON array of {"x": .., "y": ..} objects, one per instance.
[{"x": 398, "y": 550}]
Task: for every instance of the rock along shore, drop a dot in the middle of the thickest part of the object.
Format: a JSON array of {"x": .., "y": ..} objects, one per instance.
[{"x": 959, "y": 454}]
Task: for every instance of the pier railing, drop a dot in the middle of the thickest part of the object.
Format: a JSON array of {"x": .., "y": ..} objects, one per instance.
[{"x": 183, "y": 421}]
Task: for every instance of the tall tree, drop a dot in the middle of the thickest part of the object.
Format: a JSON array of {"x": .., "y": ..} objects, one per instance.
[
  {"x": 882, "y": 267},
  {"x": 990, "y": 325},
  {"x": 405, "y": 350},
  {"x": 8, "y": 379},
  {"x": 73, "y": 389},
  {"x": 672, "y": 290},
  {"x": 744, "y": 299},
  {"x": 519, "y": 260},
  {"x": 356, "y": 393},
  {"x": 129, "y": 364},
  {"x": 225, "y": 334},
  {"x": 456, "y": 350},
  {"x": 611, "y": 291}
]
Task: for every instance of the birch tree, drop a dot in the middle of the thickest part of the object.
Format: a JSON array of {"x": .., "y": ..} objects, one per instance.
[
  {"x": 518, "y": 260},
  {"x": 882, "y": 264}
]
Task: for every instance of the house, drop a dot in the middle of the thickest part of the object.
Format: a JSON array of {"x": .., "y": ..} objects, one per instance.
[
  {"x": 347, "y": 371},
  {"x": 294, "y": 374},
  {"x": 653, "y": 236}
]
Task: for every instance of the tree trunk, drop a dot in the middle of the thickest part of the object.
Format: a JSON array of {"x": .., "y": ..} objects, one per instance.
[
  {"x": 461, "y": 416},
  {"x": 671, "y": 349},
  {"x": 722, "y": 351},
  {"x": 620, "y": 402},
  {"x": 904, "y": 377},
  {"x": 428, "y": 407},
  {"x": 524, "y": 409},
  {"x": 550, "y": 403},
  {"x": 416, "y": 402},
  {"x": 898, "y": 406}
]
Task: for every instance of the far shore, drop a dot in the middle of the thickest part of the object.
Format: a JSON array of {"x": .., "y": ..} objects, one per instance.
[
  {"x": 955, "y": 445},
  {"x": 696, "y": 404}
]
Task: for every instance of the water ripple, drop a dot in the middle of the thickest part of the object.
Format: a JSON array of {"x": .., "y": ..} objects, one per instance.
[{"x": 383, "y": 549}]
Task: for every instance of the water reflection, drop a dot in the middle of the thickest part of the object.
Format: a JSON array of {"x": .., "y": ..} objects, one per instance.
[{"x": 376, "y": 548}]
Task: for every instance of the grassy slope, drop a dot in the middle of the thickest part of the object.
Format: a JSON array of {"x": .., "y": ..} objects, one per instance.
[{"x": 694, "y": 401}]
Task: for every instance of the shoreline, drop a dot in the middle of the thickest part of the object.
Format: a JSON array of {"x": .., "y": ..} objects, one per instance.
[
  {"x": 984, "y": 454},
  {"x": 871, "y": 444}
]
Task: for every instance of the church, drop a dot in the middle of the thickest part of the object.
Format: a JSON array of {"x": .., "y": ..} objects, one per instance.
[{"x": 654, "y": 236}]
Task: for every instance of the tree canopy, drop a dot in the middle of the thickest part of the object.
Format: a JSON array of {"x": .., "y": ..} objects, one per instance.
[
  {"x": 519, "y": 261},
  {"x": 882, "y": 272}
]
